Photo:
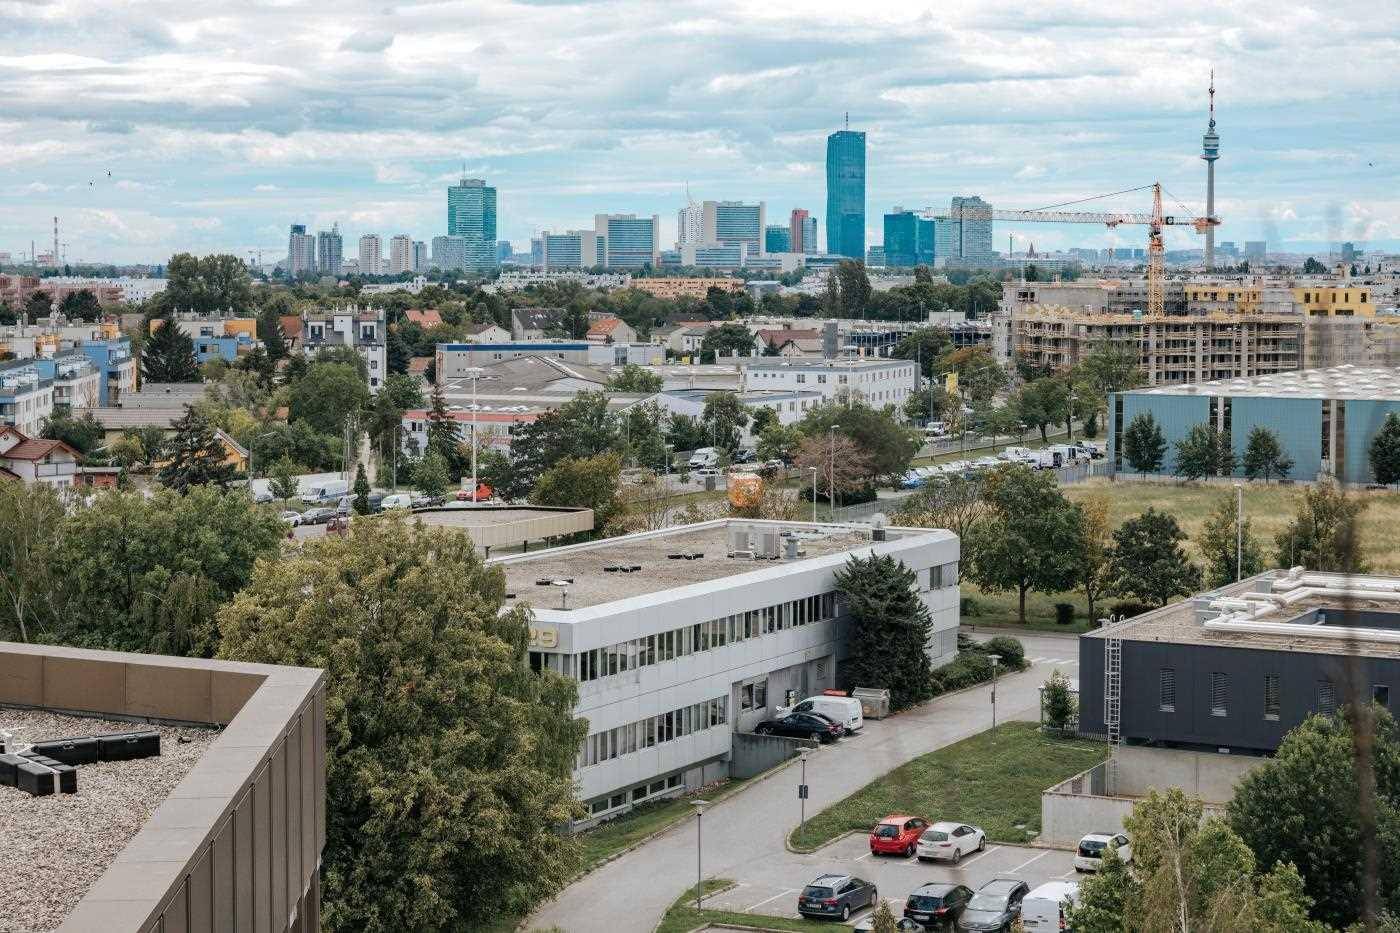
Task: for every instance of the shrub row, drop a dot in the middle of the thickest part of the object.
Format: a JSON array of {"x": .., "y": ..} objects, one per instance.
[{"x": 972, "y": 665}]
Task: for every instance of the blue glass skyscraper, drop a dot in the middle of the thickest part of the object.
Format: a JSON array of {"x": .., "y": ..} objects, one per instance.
[
  {"x": 471, "y": 215},
  {"x": 909, "y": 240},
  {"x": 845, "y": 194}
]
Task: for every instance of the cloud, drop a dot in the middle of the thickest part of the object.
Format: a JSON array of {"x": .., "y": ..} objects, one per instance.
[
  {"x": 266, "y": 187},
  {"x": 366, "y": 42}
]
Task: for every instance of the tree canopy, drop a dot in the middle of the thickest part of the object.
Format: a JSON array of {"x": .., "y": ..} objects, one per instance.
[
  {"x": 1324, "y": 534},
  {"x": 1148, "y": 562},
  {"x": 1217, "y": 545},
  {"x": 195, "y": 455},
  {"x": 634, "y": 378},
  {"x": 1203, "y": 452},
  {"x": 168, "y": 355},
  {"x": 1264, "y": 456},
  {"x": 326, "y": 395},
  {"x": 1144, "y": 447},
  {"x": 890, "y": 628},
  {"x": 1384, "y": 452}
]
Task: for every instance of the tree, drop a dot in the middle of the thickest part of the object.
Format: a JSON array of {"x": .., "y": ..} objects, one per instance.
[
  {"x": 580, "y": 428},
  {"x": 1385, "y": 451},
  {"x": 1303, "y": 806},
  {"x": 84, "y": 434},
  {"x": 643, "y": 436},
  {"x": 889, "y": 628},
  {"x": 1264, "y": 457},
  {"x": 778, "y": 441},
  {"x": 728, "y": 339},
  {"x": 39, "y": 305},
  {"x": 208, "y": 284},
  {"x": 686, "y": 432},
  {"x": 148, "y": 444},
  {"x": 1058, "y": 701},
  {"x": 1147, "y": 561},
  {"x": 442, "y": 745},
  {"x": 168, "y": 355},
  {"x": 1203, "y": 452},
  {"x": 1042, "y": 403},
  {"x": 1324, "y": 534},
  {"x": 841, "y": 466},
  {"x": 953, "y": 502},
  {"x": 634, "y": 378},
  {"x": 431, "y": 475},
  {"x": 883, "y": 919},
  {"x": 887, "y": 445},
  {"x": 1217, "y": 541},
  {"x": 270, "y": 332},
  {"x": 924, "y": 345},
  {"x": 1111, "y": 368},
  {"x": 1031, "y": 540},
  {"x": 197, "y": 456},
  {"x": 397, "y": 352},
  {"x": 1312, "y": 267},
  {"x": 855, "y": 287},
  {"x": 726, "y": 417},
  {"x": 282, "y": 479},
  {"x": 1144, "y": 447},
  {"x": 980, "y": 376},
  {"x": 361, "y": 501},
  {"x": 31, "y": 577},
  {"x": 1095, "y": 566},
  {"x": 327, "y": 395},
  {"x": 81, "y": 305},
  {"x": 588, "y": 482}
]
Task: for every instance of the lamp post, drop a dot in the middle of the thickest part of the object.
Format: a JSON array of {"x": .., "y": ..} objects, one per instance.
[
  {"x": 831, "y": 476},
  {"x": 814, "y": 494},
  {"x": 473, "y": 373},
  {"x": 1069, "y": 422},
  {"x": 802, "y": 790},
  {"x": 1239, "y": 531},
  {"x": 995, "y": 659},
  {"x": 699, "y": 806}
]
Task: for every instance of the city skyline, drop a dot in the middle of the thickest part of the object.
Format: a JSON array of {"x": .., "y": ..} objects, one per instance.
[{"x": 203, "y": 119}]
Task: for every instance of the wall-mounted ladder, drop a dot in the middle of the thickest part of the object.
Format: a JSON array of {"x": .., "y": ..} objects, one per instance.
[{"x": 1112, "y": 708}]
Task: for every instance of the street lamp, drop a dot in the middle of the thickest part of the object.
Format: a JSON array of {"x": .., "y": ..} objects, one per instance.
[
  {"x": 1069, "y": 422},
  {"x": 699, "y": 806},
  {"x": 473, "y": 373},
  {"x": 814, "y": 494},
  {"x": 995, "y": 659},
  {"x": 802, "y": 789},
  {"x": 1239, "y": 531},
  {"x": 831, "y": 484}
]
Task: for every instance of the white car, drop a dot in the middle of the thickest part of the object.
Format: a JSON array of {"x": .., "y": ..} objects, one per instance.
[
  {"x": 706, "y": 471},
  {"x": 950, "y": 841},
  {"x": 291, "y": 518},
  {"x": 1089, "y": 855}
]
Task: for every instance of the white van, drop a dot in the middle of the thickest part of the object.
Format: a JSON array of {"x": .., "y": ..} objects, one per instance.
[
  {"x": 398, "y": 500},
  {"x": 1043, "y": 910},
  {"x": 704, "y": 457},
  {"x": 326, "y": 491},
  {"x": 1016, "y": 454},
  {"x": 845, "y": 710},
  {"x": 935, "y": 429}
]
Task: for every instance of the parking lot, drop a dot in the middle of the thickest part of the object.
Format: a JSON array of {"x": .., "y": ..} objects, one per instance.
[{"x": 772, "y": 887}]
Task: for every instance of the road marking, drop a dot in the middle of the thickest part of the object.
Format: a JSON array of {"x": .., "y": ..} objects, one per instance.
[
  {"x": 980, "y": 854},
  {"x": 1042, "y": 855},
  {"x": 769, "y": 900},
  {"x": 1069, "y": 874},
  {"x": 865, "y": 856}
]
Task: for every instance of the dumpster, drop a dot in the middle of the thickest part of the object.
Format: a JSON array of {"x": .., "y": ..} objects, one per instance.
[{"x": 874, "y": 702}]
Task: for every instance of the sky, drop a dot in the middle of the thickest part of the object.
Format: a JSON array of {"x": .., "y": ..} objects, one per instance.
[{"x": 156, "y": 127}]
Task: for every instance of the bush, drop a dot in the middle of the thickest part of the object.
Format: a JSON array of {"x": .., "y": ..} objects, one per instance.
[
  {"x": 1064, "y": 613},
  {"x": 968, "y": 669},
  {"x": 1058, "y": 702},
  {"x": 969, "y": 606},
  {"x": 1128, "y": 610},
  {"x": 852, "y": 497},
  {"x": 1013, "y": 655}
]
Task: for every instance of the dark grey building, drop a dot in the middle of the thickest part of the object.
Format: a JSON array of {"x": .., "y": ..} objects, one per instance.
[{"x": 1238, "y": 667}]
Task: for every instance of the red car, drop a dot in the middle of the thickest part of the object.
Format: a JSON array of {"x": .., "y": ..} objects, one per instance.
[{"x": 897, "y": 835}]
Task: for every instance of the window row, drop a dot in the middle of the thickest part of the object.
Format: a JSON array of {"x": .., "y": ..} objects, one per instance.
[
  {"x": 654, "y": 730},
  {"x": 637, "y": 794},
  {"x": 702, "y": 636},
  {"x": 1220, "y": 699}
]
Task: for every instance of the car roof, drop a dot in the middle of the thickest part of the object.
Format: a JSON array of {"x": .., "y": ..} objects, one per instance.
[
  {"x": 1097, "y": 836},
  {"x": 1000, "y": 884},
  {"x": 945, "y": 825},
  {"x": 1055, "y": 890},
  {"x": 897, "y": 818},
  {"x": 935, "y": 887},
  {"x": 827, "y": 880}
]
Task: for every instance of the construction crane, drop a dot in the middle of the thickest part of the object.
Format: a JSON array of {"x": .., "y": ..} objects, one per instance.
[{"x": 1155, "y": 221}]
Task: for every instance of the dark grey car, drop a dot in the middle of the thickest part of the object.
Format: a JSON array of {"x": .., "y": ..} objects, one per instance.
[
  {"x": 836, "y": 896},
  {"x": 994, "y": 907}
]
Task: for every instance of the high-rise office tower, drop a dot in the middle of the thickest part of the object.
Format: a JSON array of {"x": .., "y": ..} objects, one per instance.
[
  {"x": 845, "y": 194},
  {"x": 968, "y": 234},
  {"x": 802, "y": 231},
  {"x": 504, "y": 251},
  {"x": 536, "y": 251},
  {"x": 909, "y": 240},
  {"x": 630, "y": 242},
  {"x": 400, "y": 254},
  {"x": 733, "y": 223},
  {"x": 449, "y": 253},
  {"x": 1210, "y": 151},
  {"x": 572, "y": 249},
  {"x": 329, "y": 250},
  {"x": 301, "y": 251},
  {"x": 371, "y": 254},
  {"x": 420, "y": 256},
  {"x": 690, "y": 226},
  {"x": 471, "y": 214},
  {"x": 777, "y": 239}
]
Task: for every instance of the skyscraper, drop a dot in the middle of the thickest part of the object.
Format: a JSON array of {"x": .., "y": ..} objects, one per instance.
[
  {"x": 371, "y": 254},
  {"x": 420, "y": 256},
  {"x": 504, "y": 251},
  {"x": 301, "y": 251},
  {"x": 690, "y": 226},
  {"x": 845, "y": 194},
  {"x": 630, "y": 242},
  {"x": 400, "y": 254},
  {"x": 777, "y": 239},
  {"x": 909, "y": 240},
  {"x": 797, "y": 230},
  {"x": 449, "y": 253},
  {"x": 471, "y": 214},
  {"x": 733, "y": 223},
  {"x": 329, "y": 250},
  {"x": 572, "y": 249},
  {"x": 966, "y": 236}
]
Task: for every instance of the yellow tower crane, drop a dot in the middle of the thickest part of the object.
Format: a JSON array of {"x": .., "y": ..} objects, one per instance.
[{"x": 1155, "y": 221}]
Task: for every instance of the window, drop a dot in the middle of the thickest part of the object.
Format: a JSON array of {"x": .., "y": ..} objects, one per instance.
[
  {"x": 1166, "y": 690},
  {"x": 1271, "y": 698},
  {"x": 1380, "y": 693},
  {"x": 760, "y": 694},
  {"x": 1219, "y": 693},
  {"x": 1326, "y": 697}
]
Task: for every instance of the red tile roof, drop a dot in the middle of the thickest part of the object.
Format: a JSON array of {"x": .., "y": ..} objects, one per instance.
[
  {"x": 606, "y": 326},
  {"x": 777, "y": 337},
  {"x": 35, "y": 449},
  {"x": 291, "y": 325},
  {"x": 427, "y": 318}
]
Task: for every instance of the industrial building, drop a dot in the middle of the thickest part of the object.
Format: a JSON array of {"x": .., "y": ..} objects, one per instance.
[
  {"x": 878, "y": 382},
  {"x": 1234, "y": 669},
  {"x": 681, "y": 638},
  {"x": 1324, "y": 418}
]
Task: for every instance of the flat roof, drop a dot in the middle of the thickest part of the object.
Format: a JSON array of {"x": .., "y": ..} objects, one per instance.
[
  {"x": 594, "y": 585},
  {"x": 56, "y": 846},
  {"x": 1340, "y": 382}
]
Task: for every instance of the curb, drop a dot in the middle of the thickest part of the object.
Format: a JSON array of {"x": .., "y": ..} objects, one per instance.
[{"x": 728, "y": 887}]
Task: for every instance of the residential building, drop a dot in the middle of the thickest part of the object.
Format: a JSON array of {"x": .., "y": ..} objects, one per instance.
[
  {"x": 420, "y": 256},
  {"x": 845, "y": 194},
  {"x": 449, "y": 253},
  {"x": 789, "y": 342},
  {"x": 330, "y": 247},
  {"x": 301, "y": 252},
  {"x": 733, "y": 223},
  {"x": 116, "y": 366},
  {"x": 486, "y": 333},
  {"x": 610, "y": 330},
  {"x": 690, "y": 226},
  {"x": 471, "y": 214},
  {"x": 518, "y": 279},
  {"x": 76, "y": 380},
  {"x": 223, "y": 831},
  {"x": 125, "y": 289},
  {"x": 363, "y": 330},
  {"x": 777, "y": 239},
  {"x": 630, "y": 242},
  {"x": 572, "y": 249},
  {"x": 371, "y": 254},
  {"x": 681, "y": 338},
  {"x": 31, "y": 459},
  {"x": 679, "y": 286},
  {"x": 909, "y": 239},
  {"x": 400, "y": 254},
  {"x": 1324, "y": 418},
  {"x": 802, "y": 231},
  {"x": 874, "y": 381},
  {"x": 413, "y": 286},
  {"x": 1333, "y": 301},
  {"x": 26, "y": 396},
  {"x": 674, "y": 667},
  {"x": 535, "y": 323}
]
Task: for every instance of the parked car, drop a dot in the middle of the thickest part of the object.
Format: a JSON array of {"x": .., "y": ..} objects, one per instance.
[
  {"x": 743, "y": 456},
  {"x": 704, "y": 457},
  {"x": 397, "y": 500},
  {"x": 774, "y": 464},
  {"x": 1089, "y": 855},
  {"x": 897, "y": 834},
  {"x": 338, "y": 525},
  {"x": 421, "y": 501},
  {"x": 836, "y": 896},
  {"x": 802, "y": 726},
  {"x": 937, "y": 905},
  {"x": 262, "y": 496},
  {"x": 291, "y": 518},
  {"x": 1043, "y": 910},
  {"x": 327, "y": 491},
  {"x": 483, "y": 493},
  {"x": 950, "y": 841},
  {"x": 994, "y": 907},
  {"x": 317, "y": 516},
  {"x": 703, "y": 472},
  {"x": 845, "y": 710}
]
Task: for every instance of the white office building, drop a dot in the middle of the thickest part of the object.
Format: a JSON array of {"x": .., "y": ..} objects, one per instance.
[
  {"x": 572, "y": 249},
  {"x": 371, "y": 254},
  {"x": 677, "y": 646},
  {"x": 877, "y": 382}
]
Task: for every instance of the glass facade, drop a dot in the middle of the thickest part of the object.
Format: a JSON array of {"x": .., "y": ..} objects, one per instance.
[
  {"x": 631, "y": 241},
  {"x": 471, "y": 215},
  {"x": 777, "y": 239},
  {"x": 737, "y": 223},
  {"x": 909, "y": 240},
  {"x": 845, "y": 194}
]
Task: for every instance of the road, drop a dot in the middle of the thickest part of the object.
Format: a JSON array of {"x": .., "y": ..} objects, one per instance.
[{"x": 744, "y": 834}]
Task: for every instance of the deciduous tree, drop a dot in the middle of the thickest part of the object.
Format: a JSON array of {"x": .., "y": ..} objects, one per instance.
[
  {"x": 1144, "y": 447},
  {"x": 1203, "y": 452},
  {"x": 728, "y": 339},
  {"x": 1324, "y": 534},
  {"x": 954, "y": 502},
  {"x": 431, "y": 475},
  {"x": 1217, "y": 545},
  {"x": 634, "y": 378},
  {"x": 889, "y": 628},
  {"x": 581, "y": 428},
  {"x": 841, "y": 465},
  {"x": 1148, "y": 562},
  {"x": 1264, "y": 457},
  {"x": 326, "y": 395},
  {"x": 726, "y": 417},
  {"x": 31, "y": 575},
  {"x": 588, "y": 482},
  {"x": 1095, "y": 564},
  {"x": 282, "y": 479},
  {"x": 1385, "y": 451}
]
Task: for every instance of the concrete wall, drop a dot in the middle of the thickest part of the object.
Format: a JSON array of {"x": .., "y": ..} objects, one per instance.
[
  {"x": 1070, "y": 810},
  {"x": 1208, "y": 775},
  {"x": 754, "y": 754}
]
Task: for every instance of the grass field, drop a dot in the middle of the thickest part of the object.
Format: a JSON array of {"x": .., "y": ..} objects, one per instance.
[
  {"x": 683, "y": 917},
  {"x": 993, "y": 779}
]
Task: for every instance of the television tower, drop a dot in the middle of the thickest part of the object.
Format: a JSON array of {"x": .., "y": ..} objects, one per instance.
[{"x": 1210, "y": 151}]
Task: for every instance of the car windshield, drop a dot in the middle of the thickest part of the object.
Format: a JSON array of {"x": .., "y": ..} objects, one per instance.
[
  {"x": 924, "y": 902},
  {"x": 992, "y": 902},
  {"x": 934, "y": 835},
  {"x": 887, "y": 830},
  {"x": 813, "y": 890},
  {"x": 1092, "y": 848}
]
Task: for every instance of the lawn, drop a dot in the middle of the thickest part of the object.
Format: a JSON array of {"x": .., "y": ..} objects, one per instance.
[
  {"x": 993, "y": 780},
  {"x": 683, "y": 917},
  {"x": 632, "y": 827}
]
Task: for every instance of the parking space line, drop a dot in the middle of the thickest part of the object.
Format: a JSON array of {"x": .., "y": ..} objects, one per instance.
[
  {"x": 769, "y": 900},
  {"x": 1069, "y": 874},
  {"x": 865, "y": 856},
  {"x": 979, "y": 855},
  {"x": 1028, "y": 862}
]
